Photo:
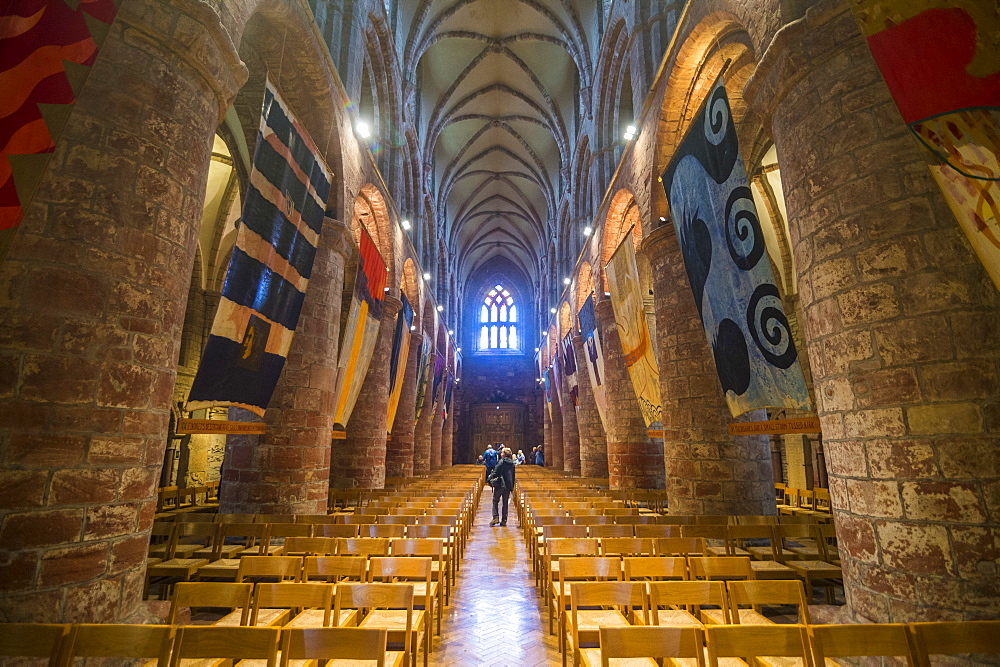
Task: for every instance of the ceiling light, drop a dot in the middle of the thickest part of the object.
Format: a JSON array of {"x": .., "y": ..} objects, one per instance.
[
  {"x": 587, "y": 231},
  {"x": 536, "y": 349},
  {"x": 427, "y": 275},
  {"x": 362, "y": 129},
  {"x": 543, "y": 333},
  {"x": 552, "y": 310},
  {"x": 413, "y": 327},
  {"x": 450, "y": 332},
  {"x": 630, "y": 129},
  {"x": 457, "y": 349},
  {"x": 440, "y": 309},
  {"x": 566, "y": 281},
  {"x": 406, "y": 224}
]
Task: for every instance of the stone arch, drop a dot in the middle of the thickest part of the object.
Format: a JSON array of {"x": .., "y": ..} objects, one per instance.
[
  {"x": 553, "y": 343},
  {"x": 372, "y": 212},
  {"x": 408, "y": 285},
  {"x": 623, "y": 213},
  {"x": 565, "y": 320}
]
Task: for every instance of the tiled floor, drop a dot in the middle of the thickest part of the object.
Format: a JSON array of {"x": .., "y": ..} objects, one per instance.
[{"x": 496, "y": 616}]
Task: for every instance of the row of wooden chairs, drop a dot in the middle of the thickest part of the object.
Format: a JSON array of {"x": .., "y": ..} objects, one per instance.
[
  {"x": 813, "y": 502},
  {"x": 811, "y": 645},
  {"x": 174, "y": 500},
  {"x": 169, "y": 645}
]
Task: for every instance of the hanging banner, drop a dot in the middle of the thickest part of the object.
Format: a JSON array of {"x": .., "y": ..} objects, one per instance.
[
  {"x": 941, "y": 61},
  {"x": 47, "y": 49},
  {"x": 727, "y": 264},
  {"x": 549, "y": 380},
  {"x": 569, "y": 368},
  {"x": 270, "y": 266},
  {"x": 397, "y": 361},
  {"x": 446, "y": 406},
  {"x": 361, "y": 329},
  {"x": 626, "y": 298},
  {"x": 423, "y": 374},
  {"x": 595, "y": 356}
]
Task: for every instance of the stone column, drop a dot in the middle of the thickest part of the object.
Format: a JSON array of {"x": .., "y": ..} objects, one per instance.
[
  {"x": 570, "y": 431},
  {"x": 903, "y": 327},
  {"x": 437, "y": 425},
  {"x": 287, "y": 470},
  {"x": 708, "y": 471},
  {"x": 448, "y": 437},
  {"x": 634, "y": 462},
  {"x": 92, "y": 300},
  {"x": 399, "y": 455},
  {"x": 593, "y": 446},
  {"x": 554, "y": 456},
  {"x": 546, "y": 430},
  {"x": 361, "y": 455},
  {"x": 422, "y": 430}
]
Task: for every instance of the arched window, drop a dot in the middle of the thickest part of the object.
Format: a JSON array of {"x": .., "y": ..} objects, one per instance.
[{"x": 498, "y": 321}]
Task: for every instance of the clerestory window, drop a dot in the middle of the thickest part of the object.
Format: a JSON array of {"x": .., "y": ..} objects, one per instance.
[{"x": 498, "y": 321}]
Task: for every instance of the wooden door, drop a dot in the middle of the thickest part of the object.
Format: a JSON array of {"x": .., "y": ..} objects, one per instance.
[{"x": 498, "y": 422}]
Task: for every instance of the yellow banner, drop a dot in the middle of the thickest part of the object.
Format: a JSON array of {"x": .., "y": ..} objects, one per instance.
[{"x": 217, "y": 426}]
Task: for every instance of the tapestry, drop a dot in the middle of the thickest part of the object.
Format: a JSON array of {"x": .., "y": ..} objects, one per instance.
[
  {"x": 266, "y": 280},
  {"x": 626, "y": 299},
  {"x": 941, "y": 61},
  {"x": 727, "y": 264},
  {"x": 361, "y": 329},
  {"x": 47, "y": 49},
  {"x": 595, "y": 356},
  {"x": 422, "y": 374},
  {"x": 446, "y": 406},
  {"x": 397, "y": 361},
  {"x": 549, "y": 380},
  {"x": 569, "y": 368},
  {"x": 439, "y": 365}
]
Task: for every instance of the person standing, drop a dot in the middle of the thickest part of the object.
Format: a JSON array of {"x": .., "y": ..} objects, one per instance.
[
  {"x": 519, "y": 459},
  {"x": 539, "y": 457},
  {"x": 504, "y": 484},
  {"x": 490, "y": 458}
]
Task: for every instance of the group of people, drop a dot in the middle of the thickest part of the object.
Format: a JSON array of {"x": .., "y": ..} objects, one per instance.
[{"x": 500, "y": 463}]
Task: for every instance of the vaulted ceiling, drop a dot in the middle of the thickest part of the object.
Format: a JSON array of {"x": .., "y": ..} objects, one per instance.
[{"x": 497, "y": 88}]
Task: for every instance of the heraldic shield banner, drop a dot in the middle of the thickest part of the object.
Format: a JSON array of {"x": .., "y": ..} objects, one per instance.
[
  {"x": 400, "y": 354},
  {"x": 270, "y": 267},
  {"x": 595, "y": 356},
  {"x": 723, "y": 246}
]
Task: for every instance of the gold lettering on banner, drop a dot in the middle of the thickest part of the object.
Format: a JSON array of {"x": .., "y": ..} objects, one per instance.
[
  {"x": 654, "y": 433},
  {"x": 775, "y": 427},
  {"x": 217, "y": 426},
  {"x": 339, "y": 435}
]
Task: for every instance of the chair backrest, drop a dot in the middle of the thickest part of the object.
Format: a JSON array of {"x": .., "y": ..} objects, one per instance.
[
  {"x": 768, "y": 592},
  {"x": 428, "y": 531},
  {"x": 389, "y": 530},
  {"x": 635, "y": 519},
  {"x": 690, "y": 594},
  {"x": 591, "y": 519},
  {"x": 112, "y": 640},
  {"x": 399, "y": 519},
  {"x": 32, "y": 640},
  {"x": 651, "y": 642},
  {"x": 628, "y": 596},
  {"x": 286, "y": 595},
  {"x": 750, "y": 641},
  {"x": 213, "y": 641},
  {"x": 655, "y": 568},
  {"x": 211, "y": 594},
  {"x": 680, "y": 546},
  {"x": 336, "y": 529},
  {"x": 399, "y": 568},
  {"x": 756, "y": 519},
  {"x": 612, "y": 530},
  {"x": 953, "y": 638},
  {"x": 720, "y": 567},
  {"x": 316, "y": 518},
  {"x": 567, "y": 530},
  {"x": 311, "y": 546},
  {"x": 870, "y": 640},
  {"x": 335, "y": 568},
  {"x": 283, "y": 568},
  {"x": 709, "y": 531},
  {"x": 739, "y": 534},
  {"x": 627, "y": 546},
  {"x": 290, "y": 530},
  {"x": 333, "y": 644},
  {"x": 589, "y": 567},
  {"x": 428, "y": 546},
  {"x": 253, "y": 535},
  {"x": 276, "y": 518},
  {"x": 234, "y": 518},
  {"x": 363, "y": 546},
  {"x": 197, "y": 517},
  {"x": 571, "y": 546},
  {"x": 198, "y": 532},
  {"x": 438, "y": 520},
  {"x": 377, "y": 596},
  {"x": 656, "y": 530},
  {"x": 676, "y": 519}
]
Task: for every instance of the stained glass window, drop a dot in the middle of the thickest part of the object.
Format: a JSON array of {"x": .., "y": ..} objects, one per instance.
[{"x": 497, "y": 317}]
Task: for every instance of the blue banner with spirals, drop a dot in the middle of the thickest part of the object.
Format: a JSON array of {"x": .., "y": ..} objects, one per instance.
[{"x": 720, "y": 236}]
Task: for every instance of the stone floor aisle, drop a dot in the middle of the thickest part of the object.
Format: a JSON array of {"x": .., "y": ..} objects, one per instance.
[{"x": 496, "y": 616}]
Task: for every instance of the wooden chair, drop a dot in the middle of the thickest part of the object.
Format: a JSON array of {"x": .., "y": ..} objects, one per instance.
[
  {"x": 716, "y": 536},
  {"x": 214, "y": 594},
  {"x": 757, "y": 641},
  {"x": 683, "y": 602},
  {"x": 655, "y": 531},
  {"x": 199, "y": 539},
  {"x": 416, "y": 571},
  {"x": 537, "y": 553},
  {"x": 279, "y": 532},
  {"x": 651, "y": 642},
  {"x": 440, "y": 564},
  {"x": 447, "y": 535},
  {"x": 363, "y": 546},
  {"x": 33, "y": 640},
  {"x": 388, "y": 530},
  {"x": 582, "y": 568},
  {"x": 626, "y": 546},
  {"x": 334, "y": 569},
  {"x": 592, "y": 519},
  {"x": 112, "y": 640},
  {"x": 714, "y": 568},
  {"x": 233, "y": 643},
  {"x": 336, "y": 644},
  {"x": 756, "y": 594},
  {"x": 612, "y": 530},
  {"x": 655, "y": 568},
  {"x": 954, "y": 638},
  {"x": 172, "y": 568},
  {"x": 336, "y": 529},
  {"x": 868, "y": 640},
  {"x": 252, "y": 540},
  {"x": 317, "y": 519},
  {"x": 258, "y": 568},
  {"x": 808, "y": 561},
  {"x": 297, "y": 605},
  {"x": 558, "y": 547},
  {"x": 680, "y": 546},
  {"x": 400, "y": 519},
  {"x": 389, "y": 607},
  {"x": 615, "y": 601},
  {"x": 277, "y": 518},
  {"x": 310, "y": 546}
]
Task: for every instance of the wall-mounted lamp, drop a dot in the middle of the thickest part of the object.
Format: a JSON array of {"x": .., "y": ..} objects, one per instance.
[
  {"x": 450, "y": 332},
  {"x": 413, "y": 327},
  {"x": 552, "y": 310},
  {"x": 362, "y": 129},
  {"x": 587, "y": 231},
  {"x": 440, "y": 309},
  {"x": 427, "y": 275},
  {"x": 566, "y": 281},
  {"x": 406, "y": 225},
  {"x": 630, "y": 133}
]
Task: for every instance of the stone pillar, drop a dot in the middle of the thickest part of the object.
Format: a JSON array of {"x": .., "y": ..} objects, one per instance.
[
  {"x": 422, "y": 430},
  {"x": 287, "y": 470},
  {"x": 570, "y": 431},
  {"x": 437, "y": 425},
  {"x": 903, "y": 327},
  {"x": 554, "y": 456},
  {"x": 708, "y": 471},
  {"x": 448, "y": 437},
  {"x": 546, "y": 430},
  {"x": 361, "y": 455},
  {"x": 593, "y": 446},
  {"x": 93, "y": 298},
  {"x": 399, "y": 455},
  {"x": 634, "y": 462}
]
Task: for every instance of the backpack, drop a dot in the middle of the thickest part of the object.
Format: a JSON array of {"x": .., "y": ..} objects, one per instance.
[
  {"x": 496, "y": 480},
  {"x": 490, "y": 458}
]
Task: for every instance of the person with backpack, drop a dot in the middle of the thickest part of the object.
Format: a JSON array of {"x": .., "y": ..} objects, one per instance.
[
  {"x": 490, "y": 459},
  {"x": 502, "y": 480}
]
